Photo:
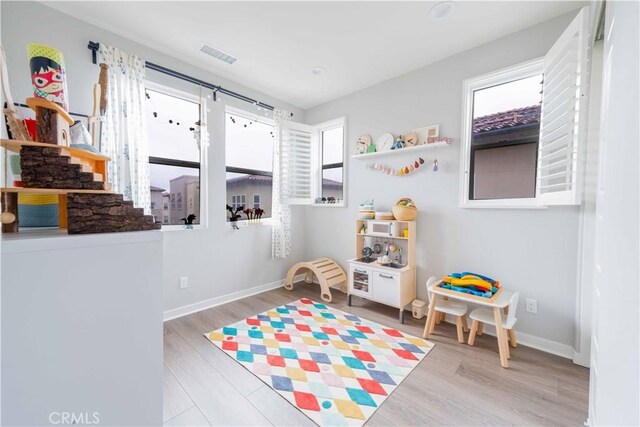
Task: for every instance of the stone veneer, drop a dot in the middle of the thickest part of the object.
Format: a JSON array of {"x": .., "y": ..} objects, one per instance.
[
  {"x": 45, "y": 167},
  {"x": 105, "y": 213}
]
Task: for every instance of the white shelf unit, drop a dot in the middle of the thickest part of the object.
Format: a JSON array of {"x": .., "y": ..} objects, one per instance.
[
  {"x": 392, "y": 286},
  {"x": 405, "y": 150}
]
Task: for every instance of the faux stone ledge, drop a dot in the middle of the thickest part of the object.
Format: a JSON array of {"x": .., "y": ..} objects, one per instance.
[
  {"x": 105, "y": 213},
  {"x": 44, "y": 167}
]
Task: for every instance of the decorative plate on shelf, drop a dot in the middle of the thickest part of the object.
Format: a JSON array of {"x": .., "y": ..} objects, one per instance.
[
  {"x": 384, "y": 142},
  {"x": 427, "y": 132},
  {"x": 362, "y": 143},
  {"x": 410, "y": 139}
]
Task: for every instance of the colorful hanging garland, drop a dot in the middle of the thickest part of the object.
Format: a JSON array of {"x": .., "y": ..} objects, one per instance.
[{"x": 403, "y": 171}]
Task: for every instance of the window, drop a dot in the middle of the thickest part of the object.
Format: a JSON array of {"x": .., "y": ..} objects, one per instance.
[
  {"x": 238, "y": 201},
  {"x": 330, "y": 137},
  {"x": 153, "y": 205},
  {"x": 165, "y": 219},
  {"x": 249, "y": 160},
  {"x": 504, "y": 139},
  {"x": 174, "y": 149},
  {"x": 313, "y": 163},
  {"x": 521, "y": 134}
]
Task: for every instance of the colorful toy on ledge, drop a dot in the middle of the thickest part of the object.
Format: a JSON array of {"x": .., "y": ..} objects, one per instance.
[
  {"x": 235, "y": 215},
  {"x": 253, "y": 215},
  {"x": 471, "y": 283}
]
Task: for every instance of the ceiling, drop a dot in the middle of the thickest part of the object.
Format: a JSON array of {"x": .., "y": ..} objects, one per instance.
[{"x": 279, "y": 43}]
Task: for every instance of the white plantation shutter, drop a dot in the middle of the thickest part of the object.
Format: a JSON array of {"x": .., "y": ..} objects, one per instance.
[
  {"x": 563, "y": 117},
  {"x": 296, "y": 163}
]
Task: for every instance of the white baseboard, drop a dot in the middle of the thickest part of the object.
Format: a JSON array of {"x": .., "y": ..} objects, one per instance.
[
  {"x": 174, "y": 313},
  {"x": 542, "y": 344}
]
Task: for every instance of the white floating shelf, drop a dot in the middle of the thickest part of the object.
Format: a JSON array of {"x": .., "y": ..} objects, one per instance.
[{"x": 400, "y": 151}]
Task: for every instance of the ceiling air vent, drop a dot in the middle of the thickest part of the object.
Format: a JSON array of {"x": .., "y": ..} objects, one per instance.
[{"x": 218, "y": 54}]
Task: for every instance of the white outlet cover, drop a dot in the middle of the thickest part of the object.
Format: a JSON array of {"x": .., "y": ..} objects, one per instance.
[
  {"x": 184, "y": 282},
  {"x": 532, "y": 306}
]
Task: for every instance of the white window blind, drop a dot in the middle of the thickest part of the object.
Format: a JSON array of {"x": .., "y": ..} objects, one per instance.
[
  {"x": 563, "y": 117},
  {"x": 296, "y": 163}
]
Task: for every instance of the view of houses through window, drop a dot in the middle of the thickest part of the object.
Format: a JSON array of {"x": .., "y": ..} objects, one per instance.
[
  {"x": 504, "y": 143},
  {"x": 249, "y": 163},
  {"x": 332, "y": 163},
  {"x": 174, "y": 155}
]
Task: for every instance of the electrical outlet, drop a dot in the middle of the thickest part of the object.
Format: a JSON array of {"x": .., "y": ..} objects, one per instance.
[
  {"x": 532, "y": 306},
  {"x": 184, "y": 282}
]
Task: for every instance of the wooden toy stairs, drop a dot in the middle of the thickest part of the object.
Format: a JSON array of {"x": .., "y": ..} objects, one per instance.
[
  {"x": 53, "y": 167},
  {"x": 78, "y": 177}
]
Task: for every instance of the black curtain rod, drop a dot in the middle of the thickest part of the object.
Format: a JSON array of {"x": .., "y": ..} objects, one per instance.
[
  {"x": 17, "y": 104},
  {"x": 94, "y": 46}
]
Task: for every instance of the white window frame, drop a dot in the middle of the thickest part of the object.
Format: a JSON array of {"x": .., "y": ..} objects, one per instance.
[
  {"x": 200, "y": 99},
  {"x": 577, "y": 113},
  {"x": 258, "y": 119},
  {"x": 254, "y": 201},
  {"x": 469, "y": 86},
  {"x": 317, "y": 161}
]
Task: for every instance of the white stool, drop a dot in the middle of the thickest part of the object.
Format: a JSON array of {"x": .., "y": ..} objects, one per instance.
[
  {"x": 444, "y": 307},
  {"x": 480, "y": 316}
]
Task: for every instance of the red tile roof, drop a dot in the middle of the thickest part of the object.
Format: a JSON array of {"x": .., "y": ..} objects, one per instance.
[{"x": 507, "y": 119}]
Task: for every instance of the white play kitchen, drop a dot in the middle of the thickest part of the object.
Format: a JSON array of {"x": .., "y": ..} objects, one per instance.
[{"x": 384, "y": 269}]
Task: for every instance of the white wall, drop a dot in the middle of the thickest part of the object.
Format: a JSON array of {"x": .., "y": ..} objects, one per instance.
[
  {"x": 615, "y": 351},
  {"x": 217, "y": 260},
  {"x": 531, "y": 251},
  {"x": 82, "y": 329}
]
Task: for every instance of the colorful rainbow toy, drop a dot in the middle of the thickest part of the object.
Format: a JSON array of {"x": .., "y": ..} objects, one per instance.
[{"x": 471, "y": 283}]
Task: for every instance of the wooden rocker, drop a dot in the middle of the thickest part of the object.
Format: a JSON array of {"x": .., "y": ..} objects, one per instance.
[{"x": 328, "y": 272}]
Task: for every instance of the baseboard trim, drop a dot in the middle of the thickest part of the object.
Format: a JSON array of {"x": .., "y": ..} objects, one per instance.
[
  {"x": 185, "y": 310},
  {"x": 542, "y": 344}
]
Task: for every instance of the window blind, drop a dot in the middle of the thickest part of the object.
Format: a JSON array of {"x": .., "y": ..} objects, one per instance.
[
  {"x": 563, "y": 117},
  {"x": 296, "y": 163}
]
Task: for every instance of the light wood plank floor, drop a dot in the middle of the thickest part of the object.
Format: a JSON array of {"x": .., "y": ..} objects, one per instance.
[{"x": 454, "y": 385}]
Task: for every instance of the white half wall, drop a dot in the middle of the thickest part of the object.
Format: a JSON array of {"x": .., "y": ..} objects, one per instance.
[
  {"x": 217, "y": 260},
  {"x": 82, "y": 329},
  {"x": 530, "y": 251}
]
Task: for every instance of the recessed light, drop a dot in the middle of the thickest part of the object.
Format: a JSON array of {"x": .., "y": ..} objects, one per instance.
[
  {"x": 441, "y": 10},
  {"x": 318, "y": 71}
]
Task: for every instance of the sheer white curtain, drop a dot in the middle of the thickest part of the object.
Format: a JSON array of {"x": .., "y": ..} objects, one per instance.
[
  {"x": 280, "y": 213},
  {"x": 124, "y": 135}
]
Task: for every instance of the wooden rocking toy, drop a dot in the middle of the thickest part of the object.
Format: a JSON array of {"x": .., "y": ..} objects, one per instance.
[{"x": 328, "y": 272}]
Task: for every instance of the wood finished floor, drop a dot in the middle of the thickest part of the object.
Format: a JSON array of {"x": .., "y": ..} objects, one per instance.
[{"x": 454, "y": 385}]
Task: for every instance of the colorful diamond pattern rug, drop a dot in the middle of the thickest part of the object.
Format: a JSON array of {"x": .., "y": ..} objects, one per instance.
[{"x": 335, "y": 367}]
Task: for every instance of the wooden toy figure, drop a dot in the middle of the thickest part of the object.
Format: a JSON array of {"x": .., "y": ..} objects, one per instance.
[{"x": 48, "y": 74}]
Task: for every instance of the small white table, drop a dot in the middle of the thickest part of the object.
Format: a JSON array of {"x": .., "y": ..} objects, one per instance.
[{"x": 501, "y": 303}]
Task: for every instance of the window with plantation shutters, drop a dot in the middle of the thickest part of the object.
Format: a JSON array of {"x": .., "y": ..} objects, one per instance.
[
  {"x": 563, "y": 117},
  {"x": 296, "y": 152}
]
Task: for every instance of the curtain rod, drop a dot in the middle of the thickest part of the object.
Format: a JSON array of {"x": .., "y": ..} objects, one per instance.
[{"x": 94, "y": 46}]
